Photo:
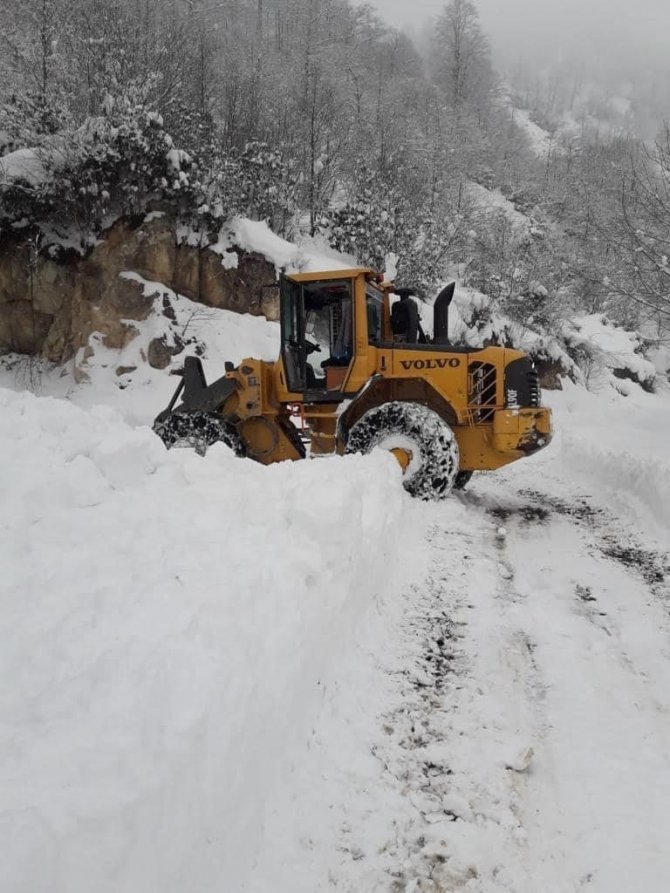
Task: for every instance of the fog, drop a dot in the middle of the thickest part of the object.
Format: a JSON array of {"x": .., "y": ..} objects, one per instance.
[
  {"x": 600, "y": 49},
  {"x": 600, "y": 34}
]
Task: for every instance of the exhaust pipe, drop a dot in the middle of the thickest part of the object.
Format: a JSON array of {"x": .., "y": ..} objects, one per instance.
[{"x": 441, "y": 314}]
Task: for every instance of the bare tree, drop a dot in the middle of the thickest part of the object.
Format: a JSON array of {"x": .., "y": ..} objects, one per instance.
[
  {"x": 461, "y": 55},
  {"x": 634, "y": 268}
]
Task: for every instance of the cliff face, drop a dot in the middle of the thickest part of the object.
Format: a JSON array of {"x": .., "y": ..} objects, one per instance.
[{"x": 49, "y": 308}]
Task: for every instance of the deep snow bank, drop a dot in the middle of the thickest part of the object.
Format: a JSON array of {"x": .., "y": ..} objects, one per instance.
[
  {"x": 618, "y": 446},
  {"x": 169, "y": 625}
]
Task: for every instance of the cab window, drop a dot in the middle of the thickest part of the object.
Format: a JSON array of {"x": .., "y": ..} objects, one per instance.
[
  {"x": 374, "y": 304},
  {"x": 328, "y": 329}
]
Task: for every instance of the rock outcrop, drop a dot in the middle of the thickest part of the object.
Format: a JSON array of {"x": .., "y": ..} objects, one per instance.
[{"x": 49, "y": 308}]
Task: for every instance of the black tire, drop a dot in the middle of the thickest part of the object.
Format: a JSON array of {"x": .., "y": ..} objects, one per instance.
[
  {"x": 198, "y": 430},
  {"x": 462, "y": 479},
  {"x": 431, "y": 440}
]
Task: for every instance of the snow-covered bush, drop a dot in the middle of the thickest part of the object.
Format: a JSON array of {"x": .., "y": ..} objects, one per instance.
[
  {"x": 370, "y": 223},
  {"x": 29, "y": 120},
  {"x": 383, "y": 216},
  {"x": 76, "y": 181},
  {"x": 608, "y": 354},
  {"x": 112, "y": 165},
  {"x": 256, "y": 181}
]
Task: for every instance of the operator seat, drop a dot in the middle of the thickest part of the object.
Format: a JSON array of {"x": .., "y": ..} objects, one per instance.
[{"x": 405, "y": 318}]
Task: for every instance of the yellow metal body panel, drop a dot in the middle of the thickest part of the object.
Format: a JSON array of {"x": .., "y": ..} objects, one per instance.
[
  {"x": 488, "y": 436},
  {"x": 263, "y": 421},
  {"x": 511, "y": 435}
]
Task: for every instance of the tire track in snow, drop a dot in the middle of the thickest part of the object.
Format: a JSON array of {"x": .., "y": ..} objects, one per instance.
[
  {"x": 596, "y": 606},
  {"x": 561, "y": 676},
  {"x": 466, "y": 708},
  {"x": 613, "y": 537},
  {"x": 522, "y": 705}
]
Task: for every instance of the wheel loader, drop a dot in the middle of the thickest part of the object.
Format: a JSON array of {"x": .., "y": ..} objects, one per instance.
[{"x": 345, "y": 382}]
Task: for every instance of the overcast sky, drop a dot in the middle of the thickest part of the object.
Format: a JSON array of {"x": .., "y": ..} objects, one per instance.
[{"x": 602, "y": 30}]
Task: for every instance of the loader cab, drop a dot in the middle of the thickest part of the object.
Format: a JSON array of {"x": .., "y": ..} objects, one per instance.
[{"x": 317, "y": 334}]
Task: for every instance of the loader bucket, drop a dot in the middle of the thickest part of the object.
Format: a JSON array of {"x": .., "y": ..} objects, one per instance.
[{"x": 197, "y": 421}]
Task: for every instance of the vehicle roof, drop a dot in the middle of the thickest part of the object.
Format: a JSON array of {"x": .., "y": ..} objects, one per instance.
[{"x": 350, "y": 273}]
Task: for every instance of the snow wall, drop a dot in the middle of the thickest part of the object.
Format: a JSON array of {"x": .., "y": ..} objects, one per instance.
[
  {"x": 618, "y": 447},
  {"x": 169, "y": 625}
]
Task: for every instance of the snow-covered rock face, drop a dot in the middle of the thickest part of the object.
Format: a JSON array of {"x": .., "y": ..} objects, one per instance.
[
  {"x": 171, "y": 624},
  {"x": 50, "y": 308}
]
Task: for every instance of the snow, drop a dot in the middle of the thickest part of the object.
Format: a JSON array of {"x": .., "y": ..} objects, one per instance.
[
  {"x": 230, "y": 260},
  {"x": 139, "y": 392},
  {"x": 492, "y": 200},
  {"x": 172, "y": 625},
  {"x": 23, "y": 165},
  {"x": 537, "y": 759},
  {"x": 187, "y": 235},
  {"x": 611, "y": 347},
  {"x": 176, "y": 158},
  {"x": 619, "y": 445},
  {"x": 296, "y": 678},
  {"x": 540, "y": 140},
  {"x": 312, "y": 254}
]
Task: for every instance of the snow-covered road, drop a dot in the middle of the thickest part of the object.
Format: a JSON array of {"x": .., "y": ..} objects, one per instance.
[
  {"x": 522, "y": 736},
  {"x": 585, "y": 643}
]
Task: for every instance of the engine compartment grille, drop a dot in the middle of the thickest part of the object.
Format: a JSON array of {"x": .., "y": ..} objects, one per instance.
[{"x": 482, "y": 390}]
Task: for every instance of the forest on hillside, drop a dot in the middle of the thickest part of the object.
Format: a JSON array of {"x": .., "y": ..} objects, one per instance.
[{"x": 317, "y": 117}]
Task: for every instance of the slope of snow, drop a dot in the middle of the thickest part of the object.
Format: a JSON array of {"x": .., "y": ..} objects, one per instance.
[
  {"x": 492, "y": 200},
  {"x": 172, "y": 625},
  {"x": 540, "y": 140},
  {"x": 611, "y": 347},
  {"x": 618, "y": 446}
]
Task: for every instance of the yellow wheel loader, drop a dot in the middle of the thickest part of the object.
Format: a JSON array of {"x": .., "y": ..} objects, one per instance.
[{"x": 353, "y": 384}]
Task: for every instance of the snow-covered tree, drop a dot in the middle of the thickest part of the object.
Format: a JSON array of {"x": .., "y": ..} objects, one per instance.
[{"x": 461, "y": 56}]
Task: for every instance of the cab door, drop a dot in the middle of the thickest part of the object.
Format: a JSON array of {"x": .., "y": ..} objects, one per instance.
[
  {"x": 317, "y": 335},
  {"x": 292, "y": 339}
]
